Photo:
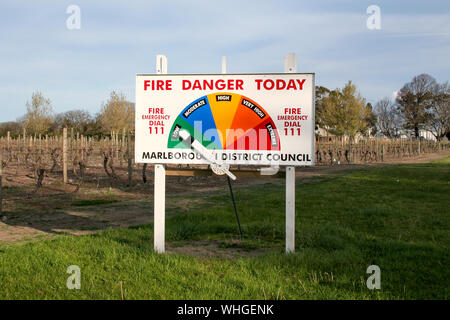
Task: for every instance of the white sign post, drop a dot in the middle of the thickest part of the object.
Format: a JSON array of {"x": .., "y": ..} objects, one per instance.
[
  {"x": 159, "y": 201},
  {"x": 225, "y": 119},
  {"x": 290, "y": 66}
]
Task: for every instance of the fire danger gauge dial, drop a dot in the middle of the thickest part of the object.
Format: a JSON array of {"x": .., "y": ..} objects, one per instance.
[{"x": 226, "y": 121}]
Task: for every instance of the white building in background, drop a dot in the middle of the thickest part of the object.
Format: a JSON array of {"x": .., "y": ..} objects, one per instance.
[
  {"x": 408, "y": 134},
  {"x": 322, "y": 135},
  {"x": 427, "y": 135}
]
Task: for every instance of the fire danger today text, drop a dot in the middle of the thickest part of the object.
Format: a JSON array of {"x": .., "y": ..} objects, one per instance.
[{"x": 221, "y": 84}]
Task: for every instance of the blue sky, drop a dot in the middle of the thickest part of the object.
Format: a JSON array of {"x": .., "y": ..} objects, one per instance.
[{"x": 77, "y": 69}]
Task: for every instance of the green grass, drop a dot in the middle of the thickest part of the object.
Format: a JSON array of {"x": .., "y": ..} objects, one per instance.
[{"x": 396, "y": 217}]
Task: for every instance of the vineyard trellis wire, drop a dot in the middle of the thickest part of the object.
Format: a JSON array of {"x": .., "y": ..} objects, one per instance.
[{"x": 112, "y": 157}]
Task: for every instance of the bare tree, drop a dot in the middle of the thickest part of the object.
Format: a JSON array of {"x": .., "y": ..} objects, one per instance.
[
  {"x": 389, "y": 119},
  {"x": 80, "y": 120},
  {"x": 321, "y": 94},
  {"x": 439, "y": 113}
]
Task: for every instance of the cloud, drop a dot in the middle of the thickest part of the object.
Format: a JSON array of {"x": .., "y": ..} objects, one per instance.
[{"x": 394, "y": 95}]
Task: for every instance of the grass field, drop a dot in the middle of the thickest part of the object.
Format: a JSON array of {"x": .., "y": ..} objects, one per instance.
[{"x": 396, "y": 217}]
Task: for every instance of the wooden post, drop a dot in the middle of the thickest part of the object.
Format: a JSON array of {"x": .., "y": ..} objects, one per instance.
[
  {"x": 70, "y": 143},
  {"x": 8, "y": 138},
  {"x": 64, "y": 147},
  {"x": 122, "y": 146},
  {"x": 130, "y": 168},
  {"x": 350, "y": 157},
  {"x": 112, "y": 144},
  {"x": 77, "y": 142},
  {"x": 117, "y": 146},
  {"x": 376, "y": 149},
  {"x": 82, "y": 146}
]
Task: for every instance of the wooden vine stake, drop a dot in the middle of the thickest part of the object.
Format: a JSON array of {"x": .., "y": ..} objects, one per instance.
[{"x": 64, "y": 147}]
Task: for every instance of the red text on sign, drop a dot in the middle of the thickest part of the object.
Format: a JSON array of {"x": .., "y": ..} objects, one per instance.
[{"x": 279, "y": 84}]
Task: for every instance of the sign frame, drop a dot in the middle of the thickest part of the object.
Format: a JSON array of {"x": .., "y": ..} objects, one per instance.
[{"x": 290, "y": 66}]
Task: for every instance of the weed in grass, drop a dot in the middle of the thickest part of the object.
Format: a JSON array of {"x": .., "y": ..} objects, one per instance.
[{"x": 93, "y": 202}]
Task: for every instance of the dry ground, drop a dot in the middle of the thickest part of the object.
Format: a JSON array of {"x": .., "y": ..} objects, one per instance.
[{"x": 62, "y": 209}]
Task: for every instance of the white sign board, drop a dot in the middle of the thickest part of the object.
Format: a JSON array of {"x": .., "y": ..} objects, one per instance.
[{"x": 248, "y": 119}]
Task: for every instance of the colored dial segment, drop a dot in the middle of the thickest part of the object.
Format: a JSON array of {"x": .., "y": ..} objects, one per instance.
[{"x": 226, "y": 121}]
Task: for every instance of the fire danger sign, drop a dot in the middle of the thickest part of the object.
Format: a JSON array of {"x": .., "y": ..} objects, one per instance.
[{"x": 248, "y": 119}]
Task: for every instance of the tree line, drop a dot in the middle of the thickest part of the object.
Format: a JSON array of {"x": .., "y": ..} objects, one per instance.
[
  {"x": 421, "y": 104},
  {"x": 116, "y": 114}
]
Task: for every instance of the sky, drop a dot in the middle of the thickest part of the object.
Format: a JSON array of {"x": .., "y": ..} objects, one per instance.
[{"x": 78, "y": 68}]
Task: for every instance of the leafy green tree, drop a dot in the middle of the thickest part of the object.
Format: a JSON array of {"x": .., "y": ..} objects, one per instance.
[
  {"x": 344, "y": 112},
  {"x": 370, "y": 127},
  {"x": 14, "y": 127},
  {"x": 39, "y": 116},
  {"x": 116, "y": 114}
]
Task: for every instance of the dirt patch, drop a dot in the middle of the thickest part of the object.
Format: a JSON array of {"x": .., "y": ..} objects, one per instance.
[
  {"x": 211, "y": 249},
  {"x": 75, "y": 220}
]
